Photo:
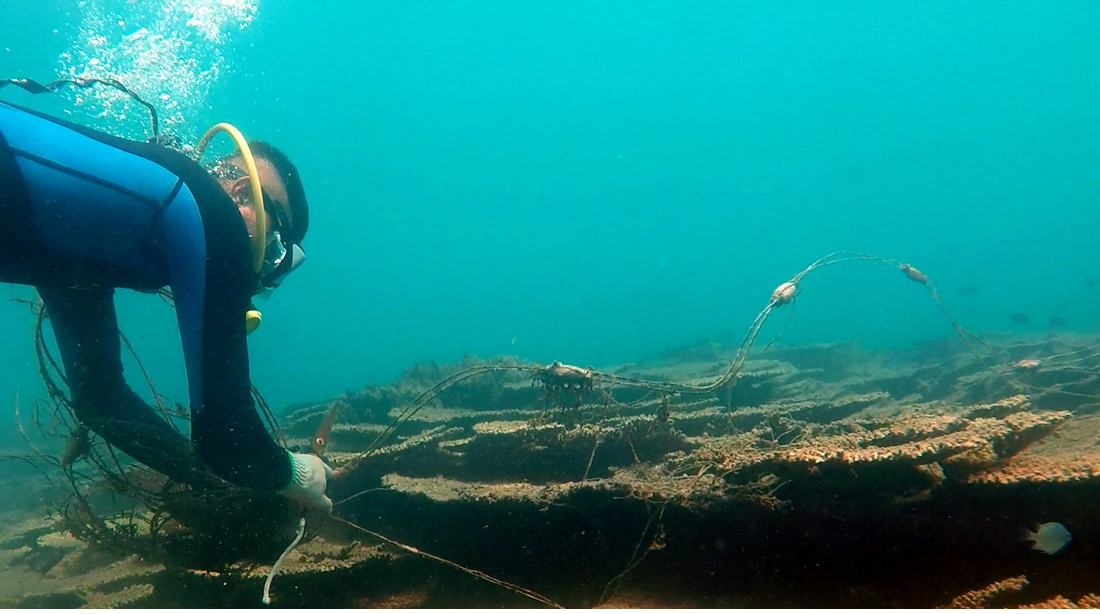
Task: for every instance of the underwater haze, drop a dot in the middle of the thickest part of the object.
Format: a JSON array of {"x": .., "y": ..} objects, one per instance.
[{"x": 596, "y": 181}]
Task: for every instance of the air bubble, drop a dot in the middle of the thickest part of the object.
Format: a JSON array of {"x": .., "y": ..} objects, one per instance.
[{"x": 171, "y": 52}]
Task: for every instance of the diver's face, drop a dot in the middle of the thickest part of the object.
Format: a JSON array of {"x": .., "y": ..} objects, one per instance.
[{"x": 276, "y": 212}]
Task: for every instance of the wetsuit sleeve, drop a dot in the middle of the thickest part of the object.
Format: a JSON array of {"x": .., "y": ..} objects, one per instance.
[
  {"x": 211, "y": 294},
  {"x": 86, "y": 329}
]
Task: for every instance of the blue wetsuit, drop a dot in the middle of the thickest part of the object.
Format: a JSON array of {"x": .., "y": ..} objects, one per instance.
[{"x": 83, "y": 213}]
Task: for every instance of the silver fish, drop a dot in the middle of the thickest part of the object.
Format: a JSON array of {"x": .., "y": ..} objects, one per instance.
[{"x": 1049, "y": 538}]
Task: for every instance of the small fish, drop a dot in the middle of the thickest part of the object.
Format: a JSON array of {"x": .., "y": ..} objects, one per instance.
[
  {"x": 1027, "y": 364},
  {"x": 919, "y": 497},
  {"x": 1019, "y": 318},
  {"x": 320, "y": 438},
  {"x": 658, "y": 542},
  {"x": 1090, "y": 282},
  {"x": 967, "y": 290},
  {"x": 1050, "y": 538},
  {"x": 77, "y": 447},
  {"x": 1057, "y": 321},
  {"x": 663, "y": 410}
]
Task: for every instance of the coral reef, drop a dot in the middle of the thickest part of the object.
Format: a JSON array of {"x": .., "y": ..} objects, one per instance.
[
  {"x": 987, "y": 597},
  {"x": 1001, "y": 592},
  {"x": 858, "y": 477}
]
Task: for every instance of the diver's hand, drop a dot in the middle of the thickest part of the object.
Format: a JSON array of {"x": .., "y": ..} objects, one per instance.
[{"x": 309, "y": 478}]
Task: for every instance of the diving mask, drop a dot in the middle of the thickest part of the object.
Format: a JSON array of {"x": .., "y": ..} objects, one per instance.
[{"x": 279, "y": 261}]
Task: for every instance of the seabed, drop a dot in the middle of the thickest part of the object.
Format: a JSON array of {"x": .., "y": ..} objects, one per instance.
[{"x": 826, "y": 476}]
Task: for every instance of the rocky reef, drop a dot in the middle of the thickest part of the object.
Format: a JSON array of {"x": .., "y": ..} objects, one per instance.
[{"x": 827, "y": 476}]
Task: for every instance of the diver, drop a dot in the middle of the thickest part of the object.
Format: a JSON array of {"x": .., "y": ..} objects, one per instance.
[{"x": 83, "y": 213}]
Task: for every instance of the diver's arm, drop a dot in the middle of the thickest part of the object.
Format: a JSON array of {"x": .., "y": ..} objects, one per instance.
[
  {"x": 86, "y": 328},
  {"x": 211, "y": 291}
]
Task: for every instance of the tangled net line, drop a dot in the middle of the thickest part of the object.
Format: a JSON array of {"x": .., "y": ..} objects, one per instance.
[
  {"x": 683, "y": 476},
  {"x": 138, "y": 496},
  {"x": 560, "y": 380},
  {"x": 152, "y": 501}
]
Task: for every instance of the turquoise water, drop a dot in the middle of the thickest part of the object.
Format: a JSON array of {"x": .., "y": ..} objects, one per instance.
[{"x": 597, "y": 181}]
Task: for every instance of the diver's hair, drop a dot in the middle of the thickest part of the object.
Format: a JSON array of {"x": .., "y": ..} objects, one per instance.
[{"x": 295, "y": 191}]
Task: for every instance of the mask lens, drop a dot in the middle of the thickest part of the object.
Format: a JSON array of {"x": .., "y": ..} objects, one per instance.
[
  {"x": 274, "y": 251},
  {"x": 279, "y": 258},
  {"x": 279, "y": 261}
]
